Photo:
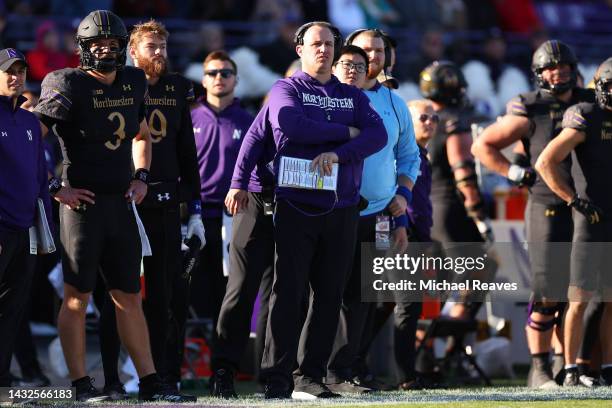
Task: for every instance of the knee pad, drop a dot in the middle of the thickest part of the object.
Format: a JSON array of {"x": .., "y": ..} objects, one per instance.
[{"x": 538, "y": 307}]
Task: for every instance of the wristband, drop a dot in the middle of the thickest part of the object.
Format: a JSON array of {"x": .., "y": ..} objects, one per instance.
[
  {"x": 142, "y": 175},
  {"x": 404, "y": 192},
  {"x": 401, "y": 221},
  {"x": 55, "y": 185},
  {"x": 194, "y": 207}
]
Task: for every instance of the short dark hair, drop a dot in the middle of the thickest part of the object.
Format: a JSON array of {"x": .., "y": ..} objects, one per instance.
[
  {"x": 220, "y": 55},
  {"x": 353, "y": 49}
]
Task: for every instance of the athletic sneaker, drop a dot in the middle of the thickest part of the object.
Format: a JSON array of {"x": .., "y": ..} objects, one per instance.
[
  {"x": 115, "y": 392},
  {"x": 33, "y": 381},
  {"x": 368, "y": 381},
  {"x": 161, "y": 391},
  {"x": 86, "y": 392},
  {"x": 308, "y": 389},
  {"x": 605, "y": 377},
  {"x": 277, "y": 390},
  {"x": 222, "y": 384},
  {"x": 574, "y": 379},
  {"x": 558, "y": 368},
  {"x": 540, "y": 376},
  {"x": 350, "y": 387},
  {"x": 412, "y": 385}
]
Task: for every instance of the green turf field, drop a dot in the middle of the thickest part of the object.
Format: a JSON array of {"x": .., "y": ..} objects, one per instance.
[{"x": 497, "y": 397}]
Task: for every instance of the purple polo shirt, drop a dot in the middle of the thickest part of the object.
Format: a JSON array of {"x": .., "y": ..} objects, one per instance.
[
  {"x": 218, "y": 137},
  {"x": 23, "y": 170}
]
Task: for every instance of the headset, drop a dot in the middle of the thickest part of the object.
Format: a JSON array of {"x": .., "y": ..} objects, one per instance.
[
  {"x": 387, "y": 44},
  {"x": 380, "y": 34},
  {"x": 298, "y": 38}
]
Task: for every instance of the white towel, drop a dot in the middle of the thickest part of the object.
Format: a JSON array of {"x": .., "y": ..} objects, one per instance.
[{"x": 146, "y": 247}]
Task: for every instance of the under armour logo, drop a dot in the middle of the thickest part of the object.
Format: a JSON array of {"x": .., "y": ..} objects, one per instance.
[
  {"x": 169, "y": 88},
  {"x": 163, "y": 197},
  {"x": 196, "y": 130},
  {"x": 549, "y": 212},
  {"x": 4, "y": 134},
  {"x": 237, "y": 134},
  {"x": 29, "y": 132},
  {"x": 127, "y": 87},
  {"x": 97, "y": 91}
]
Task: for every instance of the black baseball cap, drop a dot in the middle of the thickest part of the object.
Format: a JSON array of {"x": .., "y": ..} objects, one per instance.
[{"x": 9, "y": 56}]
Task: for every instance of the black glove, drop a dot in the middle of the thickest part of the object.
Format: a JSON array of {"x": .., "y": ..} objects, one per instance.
[
  {"x": 522, "y": 176},
  {"x": 593, "y": 213}
]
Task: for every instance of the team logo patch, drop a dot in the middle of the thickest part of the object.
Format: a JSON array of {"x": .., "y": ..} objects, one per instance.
[{"x": 237, "y": 134}]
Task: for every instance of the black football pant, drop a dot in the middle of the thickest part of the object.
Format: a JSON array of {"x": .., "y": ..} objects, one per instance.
[
  {"x": 208, "y": 282},
  {"x": 316, "y": 250},
  {"x": 16, "y": 272},
  {"x": 251, "y": 256},
  {"x": 160, "y": 270}
]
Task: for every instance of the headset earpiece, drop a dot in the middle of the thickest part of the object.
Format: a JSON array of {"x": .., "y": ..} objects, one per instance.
[
  {"x": 381, "y": 34},
  {"x": 298, "y": 38}
]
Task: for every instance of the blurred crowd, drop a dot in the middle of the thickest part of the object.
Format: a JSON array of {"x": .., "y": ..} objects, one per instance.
[{"x": 492, "y": 40}]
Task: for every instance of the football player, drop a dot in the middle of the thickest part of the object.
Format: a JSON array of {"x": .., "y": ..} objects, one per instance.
[
  {"x": 169, "y": 122},
  {"x": 98, "y": 112},
  {"x": 534, "y": 118},
  {"x": 587, "y": 130}
]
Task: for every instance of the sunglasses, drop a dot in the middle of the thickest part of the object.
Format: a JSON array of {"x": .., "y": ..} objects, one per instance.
[
  {"x": 423, "y": 117},
  {"x": 348, "y": 65},
  {"x": 225, "y": 73}
]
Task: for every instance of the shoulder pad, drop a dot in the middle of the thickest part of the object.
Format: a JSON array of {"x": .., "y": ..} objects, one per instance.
[
  {"x": 584, "y": 95},
  {"x": 183, "y": 84},
  {"x": 576, "y": 116}
]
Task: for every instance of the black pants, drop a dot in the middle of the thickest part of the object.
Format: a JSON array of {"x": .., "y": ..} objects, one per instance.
[
  {"x": 25, "y": 349},
  {"x": 16, "y": 271},
  {"x": 163, "y": 228},
  {"x": 317, "y": 250},
  {"x": 251, "y": 270},
  {"x": 355, "y": 315},
  {"x": 208, "y": 283},
  {"x": 452, "y": 224},
  {"x": 405, "y": 319}
]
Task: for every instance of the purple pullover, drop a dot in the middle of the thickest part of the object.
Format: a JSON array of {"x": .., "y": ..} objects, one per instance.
[
  {"x": 307, "y": 118},
  {"x": 23, "y": 170},
  {"x": 218, "y": 137}
]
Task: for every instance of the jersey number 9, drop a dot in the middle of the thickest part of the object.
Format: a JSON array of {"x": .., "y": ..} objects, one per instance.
[{"x": 157, "y": 133}]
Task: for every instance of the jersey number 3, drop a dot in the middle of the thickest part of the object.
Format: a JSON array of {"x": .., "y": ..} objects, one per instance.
[{"x": 120, "y": 132}]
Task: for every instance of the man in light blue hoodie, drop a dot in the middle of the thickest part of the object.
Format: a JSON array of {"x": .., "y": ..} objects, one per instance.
[{"x": 387, "y": 181}]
